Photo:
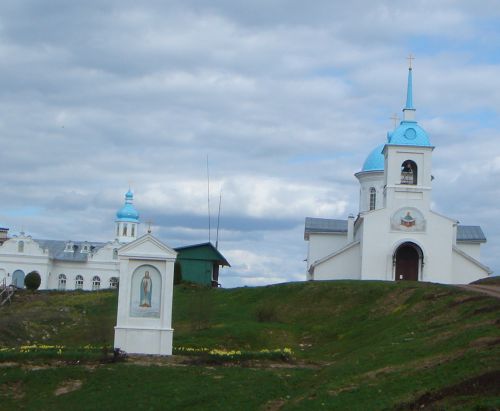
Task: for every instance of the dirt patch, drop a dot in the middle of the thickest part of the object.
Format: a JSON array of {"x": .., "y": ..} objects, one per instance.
[
  {"x": 485, "y": 342},
  {"x": 13, "y": 389},
  {"x": 347, "y": 388},
  {"x": 436, "y": 296},
  {"x": 68, "y": 386},
  {"x": 484, "y": 384},
  {"x": 273, "y": 405},
  {"x": 462, "y": 299},
  {"x": 488, "y": 309},
  {"x": 8, "y": 364}
]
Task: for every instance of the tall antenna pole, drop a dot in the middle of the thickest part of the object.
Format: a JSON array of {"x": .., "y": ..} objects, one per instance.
[
  {"x": 218, "y": 221},
  {"x": 208, "y": 199}
]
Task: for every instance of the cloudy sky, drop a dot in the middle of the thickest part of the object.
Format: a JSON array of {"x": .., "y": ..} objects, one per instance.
[{"x": 286, "y": 98}]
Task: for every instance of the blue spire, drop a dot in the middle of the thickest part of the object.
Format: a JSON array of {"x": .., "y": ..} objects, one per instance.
[{"x": 409, "y": 93}]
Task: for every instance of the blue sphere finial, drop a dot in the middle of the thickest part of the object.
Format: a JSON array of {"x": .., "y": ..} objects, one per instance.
[{"x": 128, "y": 212}]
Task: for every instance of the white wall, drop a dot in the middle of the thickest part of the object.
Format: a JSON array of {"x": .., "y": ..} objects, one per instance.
[
  {"x": 345, "y": 266},
  {"x": 473, "y": 249},
  {"x": 321, "y": 245},
  {"x": 466, "y": 271}
]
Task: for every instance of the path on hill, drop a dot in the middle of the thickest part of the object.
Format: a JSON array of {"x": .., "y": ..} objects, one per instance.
[{"x": 491, "y": 290}]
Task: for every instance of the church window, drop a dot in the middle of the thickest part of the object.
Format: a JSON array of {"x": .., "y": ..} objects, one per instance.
[
  {"x": 115, "y": 253},
  {"x": 79, "y": 282},
  {"x": 373, "y": 198},
  {"x": 62, "y": 282},
  {"x": 409, "y": 172},
  {"x": 118, "y": 230},
  {"x": 96, "y": 283},
  {"x": 113, "y": 282},
  {"x": 124, "y": 229},
  {"x": 20, "y": 246},
  {"x": 132, "y": 230}
]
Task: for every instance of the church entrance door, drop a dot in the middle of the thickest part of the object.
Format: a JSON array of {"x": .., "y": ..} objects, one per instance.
[{"x": 408, "y": 256}]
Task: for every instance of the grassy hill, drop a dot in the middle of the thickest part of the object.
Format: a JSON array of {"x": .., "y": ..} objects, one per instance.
[{"x": 356, "y": 345}]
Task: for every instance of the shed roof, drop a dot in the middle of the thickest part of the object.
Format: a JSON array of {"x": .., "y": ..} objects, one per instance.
[
  {"x": 470, "y": 233},
  {"x": 215, "y": 254},
  {"x": 324, "y": 225}
]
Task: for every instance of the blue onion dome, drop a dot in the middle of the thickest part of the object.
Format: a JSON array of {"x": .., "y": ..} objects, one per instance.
[
  {"x": 128, "y": 212},
  {"x": 375, "y": 160},
  {"x": 409, "y": 133}
]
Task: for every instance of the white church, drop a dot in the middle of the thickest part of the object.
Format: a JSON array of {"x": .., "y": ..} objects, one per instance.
[
  {"x": 70, "y": 265},
  {"x": 396, "y": 235}
]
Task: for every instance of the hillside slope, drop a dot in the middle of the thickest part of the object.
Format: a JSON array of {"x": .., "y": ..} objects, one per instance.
[{"x": 357, "y": 345}]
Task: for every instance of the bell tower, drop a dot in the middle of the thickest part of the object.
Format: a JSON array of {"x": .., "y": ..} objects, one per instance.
[{"x": 408, "y": 160}]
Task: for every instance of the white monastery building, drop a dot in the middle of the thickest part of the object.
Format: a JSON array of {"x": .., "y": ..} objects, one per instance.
[
  {"x": 69, "y": 265},
  {"x": 396, "y": 235}
]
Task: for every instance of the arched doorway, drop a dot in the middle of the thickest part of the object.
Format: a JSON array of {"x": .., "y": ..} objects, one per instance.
[
  {"x": 408, "y": 260},
  {"x": 18, "y": 279}
]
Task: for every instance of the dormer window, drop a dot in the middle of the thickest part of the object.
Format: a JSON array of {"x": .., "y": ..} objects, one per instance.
[
  {"x": 409, "y": 173},
  {"x": 69, "y": 247},
  {"x": 115, "y": 253},
  {"x": 85, "y": 248},
  {"x": 20, "y": 247}
]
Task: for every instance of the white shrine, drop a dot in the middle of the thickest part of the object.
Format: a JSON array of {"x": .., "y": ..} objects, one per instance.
[
  {"x": 144, "y": 318},
  {"x": 396, "y": 235}
]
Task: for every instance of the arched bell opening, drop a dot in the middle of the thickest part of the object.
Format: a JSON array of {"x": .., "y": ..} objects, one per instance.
[
  {"x": 408, "y": 262},
  {"x": 409, "y": 172}
]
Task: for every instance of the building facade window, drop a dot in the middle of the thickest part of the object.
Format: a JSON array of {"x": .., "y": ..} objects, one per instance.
[
  {"x": 409, "y": 172},
  {"x": 20, "y": 246},
  {"x": 113, "y": 282},
  {"x": 96, "y": 283},
  {"x": 124, "y": 229},
  {"x": 79, "y": 282},
  {"x": 132, "y": 230},
  {"x": 115, "y": 253},
  {"x": 62, "y": 282},
  {"x": 373, "y": 198}
]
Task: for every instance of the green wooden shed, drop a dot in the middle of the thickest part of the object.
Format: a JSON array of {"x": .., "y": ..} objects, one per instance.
[{"x": 200, "y": 263}]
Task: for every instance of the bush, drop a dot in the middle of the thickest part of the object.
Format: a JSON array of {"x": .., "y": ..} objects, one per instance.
[
  {"x": 32, "y": 281},
  {"x": 177, "y": 273}
]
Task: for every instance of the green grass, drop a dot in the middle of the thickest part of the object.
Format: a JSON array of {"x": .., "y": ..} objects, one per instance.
[
  {"x": 495, "y": 280},
  {"x": 357, "y": 345}
]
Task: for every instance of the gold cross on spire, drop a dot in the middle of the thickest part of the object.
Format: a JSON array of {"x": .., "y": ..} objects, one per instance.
[
  {"x": 410, "y": 58},
  {"x": 395, "y": 118},
  {"x": 149, "y": 223}
]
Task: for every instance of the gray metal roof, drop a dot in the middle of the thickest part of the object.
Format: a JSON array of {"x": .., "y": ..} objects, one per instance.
[
  {"x": 470, "y": 233},
  {"x": 324, "y": 225},
  {"x": 56, "y": 249}
]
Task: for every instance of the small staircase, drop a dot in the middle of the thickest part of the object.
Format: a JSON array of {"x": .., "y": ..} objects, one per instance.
[{"x": 6, "y": 292}]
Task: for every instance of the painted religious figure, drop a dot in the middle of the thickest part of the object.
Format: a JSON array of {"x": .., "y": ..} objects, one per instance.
[
  {"x": 408, "y": 219},
  {"x": 145, "y": 295},
  {"x": 146, "y": 288}
]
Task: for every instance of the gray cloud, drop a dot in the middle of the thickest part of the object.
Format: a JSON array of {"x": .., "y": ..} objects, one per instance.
[{"x": 286, "y": 99}]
